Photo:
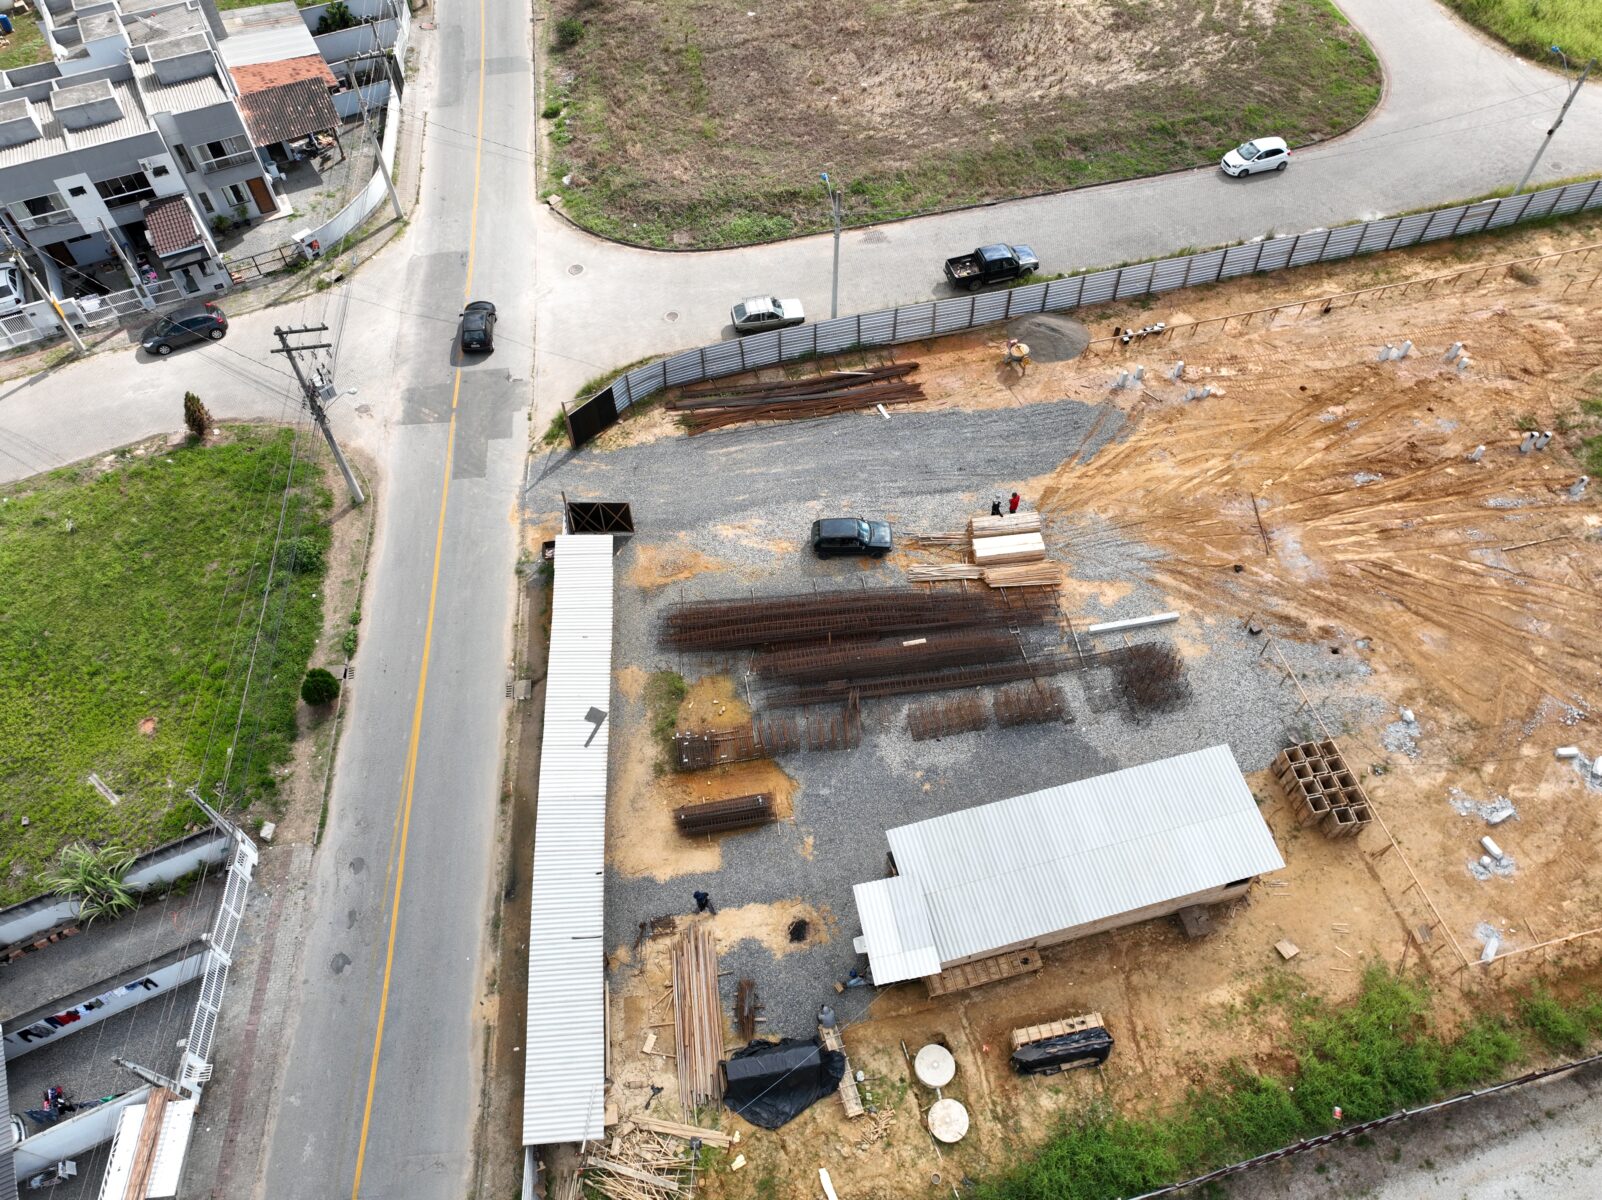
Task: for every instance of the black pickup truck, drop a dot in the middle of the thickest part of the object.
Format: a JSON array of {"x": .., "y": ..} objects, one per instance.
[{"x": 991, "y": 264}]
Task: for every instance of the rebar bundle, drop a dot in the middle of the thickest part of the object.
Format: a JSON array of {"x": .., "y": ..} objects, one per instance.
[
  {"x": 974, "y": 675},
  {"x": 864, "y": 658},
  {"x": 697, "y": 750},
  {"x": 850, "y": 612},
  {"x": 716, "y": 405},
  {"x": 1032, "y": 703},
  {"x": 940, "y": 718},
  {"x": 1150, "y": 677}
]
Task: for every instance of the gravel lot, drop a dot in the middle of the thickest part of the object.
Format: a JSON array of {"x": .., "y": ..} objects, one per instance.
[{"x": 745, "y": 498}]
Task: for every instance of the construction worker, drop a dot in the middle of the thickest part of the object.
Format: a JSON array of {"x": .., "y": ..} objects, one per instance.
[
  {"x": 1012, "y": 504},
  {"x": 703, "y": 903},
  {"x": 995, "y": 507}
]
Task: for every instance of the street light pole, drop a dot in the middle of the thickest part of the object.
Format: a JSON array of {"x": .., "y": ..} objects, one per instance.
[
  {"x": 1562, "y": 112},
  {"x": 315, "y": 394},
  {"x": 27, "y": 271},
  {"x": 834, "y": 204}
]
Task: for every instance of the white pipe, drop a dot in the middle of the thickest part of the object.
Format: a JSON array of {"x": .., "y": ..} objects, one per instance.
[
  {"x": 1133, "y": 623},
  {"x": 1492, "y": 848}
]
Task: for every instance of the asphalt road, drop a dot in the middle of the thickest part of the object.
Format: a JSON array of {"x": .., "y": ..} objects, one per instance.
[
  {"x": 380, "y": 1085},
  {"x": 1461, "y": 116}
]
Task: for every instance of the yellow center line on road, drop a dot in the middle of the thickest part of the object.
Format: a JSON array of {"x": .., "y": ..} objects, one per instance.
[{"x": 409, "y": 779}]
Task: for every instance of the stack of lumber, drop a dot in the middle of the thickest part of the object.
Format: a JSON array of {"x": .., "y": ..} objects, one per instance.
[
  {"x": 1009, "y": 548},
  {"x": 714, "y": 405},
  {"x": 986, "y": 527},
  {"x": 709, "y": 1137},
  {"x": 1029, "y": 574},
  {"x": 697, "y": 1019},
  {"x": 942, "y": 571}
]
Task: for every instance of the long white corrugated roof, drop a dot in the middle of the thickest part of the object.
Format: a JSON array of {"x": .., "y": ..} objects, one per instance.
[
  {"x": 565, "y": 1047},
  {"x": 1020, "y": 869}
]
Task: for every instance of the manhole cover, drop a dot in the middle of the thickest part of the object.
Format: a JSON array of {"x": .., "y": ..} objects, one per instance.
[
  {"x": 576, "y": 269},
  {"x": 671, "y": 317}
]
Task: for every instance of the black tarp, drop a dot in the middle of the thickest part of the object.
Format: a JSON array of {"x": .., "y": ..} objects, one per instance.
[
  {"x": 1083, "y": 1048},
  {"x": 772, "y": 1083}
]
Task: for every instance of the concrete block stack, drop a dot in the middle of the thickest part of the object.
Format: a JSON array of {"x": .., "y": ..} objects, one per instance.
[{"x": 1322, "y": 790}]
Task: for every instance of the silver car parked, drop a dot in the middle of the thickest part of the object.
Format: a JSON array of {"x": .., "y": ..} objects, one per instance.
[{"x": 758, "y": 314}]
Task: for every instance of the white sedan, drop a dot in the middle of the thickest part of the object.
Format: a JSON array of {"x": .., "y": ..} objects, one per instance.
[
  {"x": 1263, "y": 154},
  {"x": 758, "y": 314}
]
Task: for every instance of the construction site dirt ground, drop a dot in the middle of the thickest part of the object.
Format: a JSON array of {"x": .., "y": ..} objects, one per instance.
[{"x": 1332, "y": 499}]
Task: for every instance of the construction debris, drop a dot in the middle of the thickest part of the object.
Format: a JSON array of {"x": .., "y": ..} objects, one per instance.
[
  {"x": 715, "y": 405},
  {"x": 1322, "y": 790},
  {"x": 850, "y": 1098},
  {"x": 697, "y": 1018},
  {"x": 1287, "y": 950},
  {"x": 746, "y": 1005},
  {"x": 709, "y": 1137},
  {"x": 696, "y": 751},
  {"x": 1151, "y": 677}
]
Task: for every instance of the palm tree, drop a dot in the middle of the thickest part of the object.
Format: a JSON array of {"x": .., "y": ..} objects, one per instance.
[{"x": 94, "y": 875}]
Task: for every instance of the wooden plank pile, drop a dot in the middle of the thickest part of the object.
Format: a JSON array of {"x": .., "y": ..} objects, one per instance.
[
  {"x": 1019, "y": 522},
  {"x": 715, "y": 405},
  {"x": 941, "y": 572},
  {"x": 1322, "y": 790},
  {"x": 850, "y": 1097},
  {"x": 697, "y": 1018},
  {"x": 1051, "y": 1029},
  {"x": 1033, "y": 574}
]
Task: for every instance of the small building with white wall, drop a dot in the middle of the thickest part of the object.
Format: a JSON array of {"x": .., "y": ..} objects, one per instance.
[{"x": 1063, "y": 863}]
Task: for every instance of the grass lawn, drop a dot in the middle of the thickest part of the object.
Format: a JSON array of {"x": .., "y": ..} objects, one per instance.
[
  {"x": 1378, "y": 1054},
  {"x": 690, "y": 124},
  {"x": 1531, "y": 26},
  {"x": 26, "y": 44},
  {"x": 129, "y": 603}
]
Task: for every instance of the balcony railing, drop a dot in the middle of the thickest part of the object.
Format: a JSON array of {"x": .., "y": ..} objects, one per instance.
[
  {"x": 210, "y": 166},
  {"x": 27, "y": 220}
]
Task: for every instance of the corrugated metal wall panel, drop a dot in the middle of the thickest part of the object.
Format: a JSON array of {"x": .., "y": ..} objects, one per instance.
[
  {"x": 565, "y": 1043},
  {"x": 1037, "y": 864}
]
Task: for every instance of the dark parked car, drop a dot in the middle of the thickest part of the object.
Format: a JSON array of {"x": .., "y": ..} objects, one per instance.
[
  {"x": 191, "y": 323},
  {"x": 478, "y": 326},
  {"x": 850, "y": 535}
]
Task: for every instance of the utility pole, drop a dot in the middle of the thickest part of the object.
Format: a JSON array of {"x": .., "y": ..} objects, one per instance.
[
  {"x": 315, "y": 394},
  {"x": 1562, "y": 112},
  {"x": 834, "y": 203},
  {"x": 378, "y": 146},
  {"x": 27, "y": 271}
]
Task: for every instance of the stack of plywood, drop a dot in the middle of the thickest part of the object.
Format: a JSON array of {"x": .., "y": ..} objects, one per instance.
[{"x": 1009, "y": 548}]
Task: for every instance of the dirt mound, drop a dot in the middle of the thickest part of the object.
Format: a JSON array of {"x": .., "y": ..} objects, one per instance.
[{"x": 1051, "y": 337}]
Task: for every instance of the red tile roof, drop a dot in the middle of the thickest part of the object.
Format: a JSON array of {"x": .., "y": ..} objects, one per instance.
[
  {"x": 258, "y": 77},
  {"x": 170, "y": 225}
]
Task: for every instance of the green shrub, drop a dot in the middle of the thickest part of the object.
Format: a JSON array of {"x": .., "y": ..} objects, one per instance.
[
  {"x": 335, "y": 17},
  {"x": 552, "y": 110},
  {"x": 302, "y": 555},
  {"x": 348, "y": 643},
  {"x": 664, "y": 692},
  {"x": 196, "y": 416},
  {"x": 319, "y": 687},
  {"x": 94, "y": 875},
  {"x": 568, "y": 32}
]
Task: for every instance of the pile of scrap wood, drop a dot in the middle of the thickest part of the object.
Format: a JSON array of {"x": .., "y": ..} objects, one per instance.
[
  {"x": 714, "y": 405},
  {"x": 697, "y": 1019},
  {"x": 640, "y": 1163}
]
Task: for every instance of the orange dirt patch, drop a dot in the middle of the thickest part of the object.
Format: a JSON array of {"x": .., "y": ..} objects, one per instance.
[{"x": 657, "y": 564}]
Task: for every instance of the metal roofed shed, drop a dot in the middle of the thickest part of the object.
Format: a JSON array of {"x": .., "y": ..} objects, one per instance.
[
  {"x": 1064, "y": 862},
  {"x": 564, "y": 1059}
]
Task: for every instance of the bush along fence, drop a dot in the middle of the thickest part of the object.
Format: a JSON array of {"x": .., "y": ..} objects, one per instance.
[
  {"x": 1351, "y": 1131},
  {"x": 932, "y": 318}
]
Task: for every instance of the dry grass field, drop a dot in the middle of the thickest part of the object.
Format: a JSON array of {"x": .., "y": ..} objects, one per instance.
[{"x": 691, "y": 123}]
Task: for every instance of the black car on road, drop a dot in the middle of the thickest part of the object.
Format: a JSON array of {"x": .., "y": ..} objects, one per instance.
[
  {"x": 850, "y": 535},
  {"x": 203, "y": 322},
  {"x": 478, "y": 326}
]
